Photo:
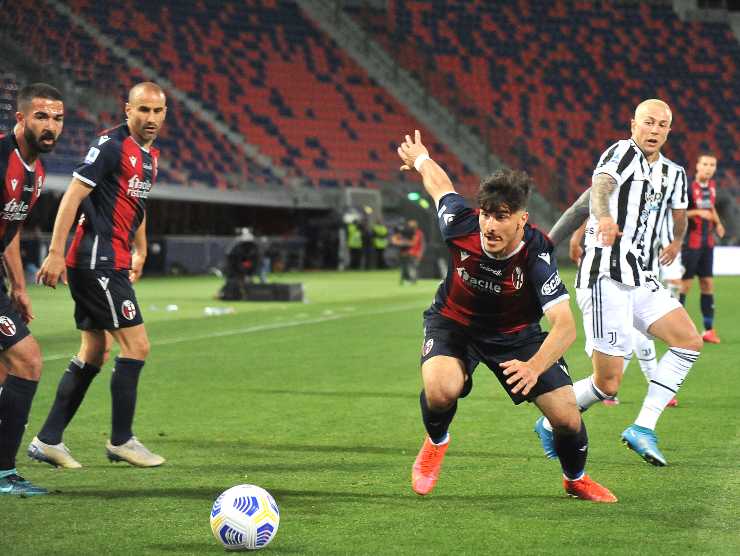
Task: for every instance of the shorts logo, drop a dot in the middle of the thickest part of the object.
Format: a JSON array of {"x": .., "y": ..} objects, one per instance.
[
  {"x": 7, "y": 326},
  {"x": 128, "y": 309},
  {"x": 613, "y": 338},
  {"x": 428, "y": 347},
  {"x": 517, "y": 278}
]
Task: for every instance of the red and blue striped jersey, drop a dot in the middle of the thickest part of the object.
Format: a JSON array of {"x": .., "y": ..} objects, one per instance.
[
  {"x": 22, "y": 186},
  {"x": 494, "y": 295},
  {"x": 121, "y": 174},
  {"x": 700, "y": 229}
]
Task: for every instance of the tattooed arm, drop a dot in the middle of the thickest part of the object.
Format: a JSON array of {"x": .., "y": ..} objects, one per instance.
[
  {"x": 571, "y": 219},
  {"x": 601, "y": 189},
  {"x": 671, "y": 251}
]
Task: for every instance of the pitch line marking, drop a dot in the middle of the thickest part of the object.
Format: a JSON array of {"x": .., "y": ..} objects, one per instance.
[{"x": 263, "y": 328}]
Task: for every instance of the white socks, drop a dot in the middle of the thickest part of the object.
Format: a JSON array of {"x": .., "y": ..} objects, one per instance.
[
  {"x": 664, "y": 384},
  {"x": 587, "y": 394}
]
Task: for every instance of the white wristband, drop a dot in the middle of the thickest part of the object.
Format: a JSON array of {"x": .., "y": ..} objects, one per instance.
[{"x": 420, "y": 160}]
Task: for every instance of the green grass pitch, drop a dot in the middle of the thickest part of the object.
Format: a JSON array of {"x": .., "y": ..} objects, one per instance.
[{"x": 318, "y": 403}]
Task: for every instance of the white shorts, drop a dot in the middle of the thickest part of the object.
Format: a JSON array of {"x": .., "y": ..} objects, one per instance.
[
  {"x": 673, "y": 271},
  {"x": 611, "y": 310}
]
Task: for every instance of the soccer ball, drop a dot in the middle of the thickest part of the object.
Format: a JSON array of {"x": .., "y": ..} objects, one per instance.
[{"x": 245, "y": 517}]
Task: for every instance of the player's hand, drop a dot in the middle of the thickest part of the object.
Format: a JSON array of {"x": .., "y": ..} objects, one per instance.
[
  {"x": 137, "y": 267},
  {"x": 669, "y": 253},
  {"x": 22, "y": 304},
  {"x": 52, "y": 271},
  {"x": 410, "y": 150},
  {"x": 607, "y": 231},
  {"x": 521, "y": 375},
  {"x": 720, "y": 229},
  {"x": 575, "y": 252}
]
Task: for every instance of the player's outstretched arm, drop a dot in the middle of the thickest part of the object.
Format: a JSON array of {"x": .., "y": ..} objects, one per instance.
[
  {"x": 414, "y": 154},
  {"x": 572, "y": 218},
  {"x": 53, "y": 268}
]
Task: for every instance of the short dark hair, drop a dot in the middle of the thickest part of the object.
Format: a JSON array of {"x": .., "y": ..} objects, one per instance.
[
  {"x": 508, "y": 189},
  {"x": 708, "y": 154},
  {"x": 36, "y": 90}
]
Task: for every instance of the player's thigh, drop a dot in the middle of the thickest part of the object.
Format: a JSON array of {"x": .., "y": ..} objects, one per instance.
[
  {"x": 607, "y": 317},
  {"x": 23, "y": 359},
  {"x": 560, "y": 408},
  {"x": 705, "y": 266},
  {"x": 690, "y": 260},
  {"x": 677, "y": 330},
  {"x": 657, "y": 311},
  {"x": 133, "y": 341},
  {"x": 16, "y": 343}
]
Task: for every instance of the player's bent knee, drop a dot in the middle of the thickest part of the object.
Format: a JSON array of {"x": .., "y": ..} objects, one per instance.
[
  {"x": 693, "y": 342},
  {"x": 441, "y": 398}
]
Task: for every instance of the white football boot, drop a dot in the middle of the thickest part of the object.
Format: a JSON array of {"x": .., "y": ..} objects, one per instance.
[
  {"x": 133, "y": 452},
  {"x": 54, "y": 454}
]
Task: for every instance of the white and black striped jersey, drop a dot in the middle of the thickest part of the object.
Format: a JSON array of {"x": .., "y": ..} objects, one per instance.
[
  {"x": 677, "y": 187},
  {"x": 638, "y": 205}
]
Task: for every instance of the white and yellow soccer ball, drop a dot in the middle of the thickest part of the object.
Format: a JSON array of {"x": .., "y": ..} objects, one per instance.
[{"x": 245, "y": 517}]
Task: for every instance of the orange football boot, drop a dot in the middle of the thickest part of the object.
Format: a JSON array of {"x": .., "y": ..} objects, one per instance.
[
  {"x": 425, "y": 472},
  {"x": 586, "y": 489},
  {"x": 711, "y": 337}
]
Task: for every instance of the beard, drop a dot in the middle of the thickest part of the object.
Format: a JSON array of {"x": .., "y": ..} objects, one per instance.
[{"x": 35, "y": 142}]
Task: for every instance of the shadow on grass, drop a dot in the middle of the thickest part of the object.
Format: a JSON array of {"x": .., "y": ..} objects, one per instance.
[
  {"x": 339, "y": 394},
  {"x": 402, "y": 451},
  {"x": 296, "y": 499}
]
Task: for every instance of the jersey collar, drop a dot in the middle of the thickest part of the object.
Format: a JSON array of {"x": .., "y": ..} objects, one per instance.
[{"x": 30, "y": 167}]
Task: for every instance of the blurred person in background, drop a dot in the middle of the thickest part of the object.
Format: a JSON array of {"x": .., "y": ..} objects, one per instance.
[
  {"x": 410, "y": 240},
  {"x": 698, "y": 247}
]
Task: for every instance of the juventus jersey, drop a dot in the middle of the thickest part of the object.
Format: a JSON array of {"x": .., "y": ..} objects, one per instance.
[{"x": 639, "y": 204}]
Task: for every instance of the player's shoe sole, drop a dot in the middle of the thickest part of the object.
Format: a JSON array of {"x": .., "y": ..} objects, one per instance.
[
  {"x": 673, "y": 402},
  {"x": 426, "y": 468},
  {"x": 54, "y": 454},
  {"x": 644, "y": 442},
  {"x": 134, "y": 453},
  {"x": 547, "y": 439},
  {"x": 15, "y": 485},
  {"x": 587, "y": 489}
]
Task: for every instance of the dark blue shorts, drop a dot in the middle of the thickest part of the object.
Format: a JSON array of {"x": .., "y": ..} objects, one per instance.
[
  {"x": 104, "y": 299},
  {"x": 698, "y": 262},
  {"x": 443, "y": 336},
  {"x": 12, "y": 327}
]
